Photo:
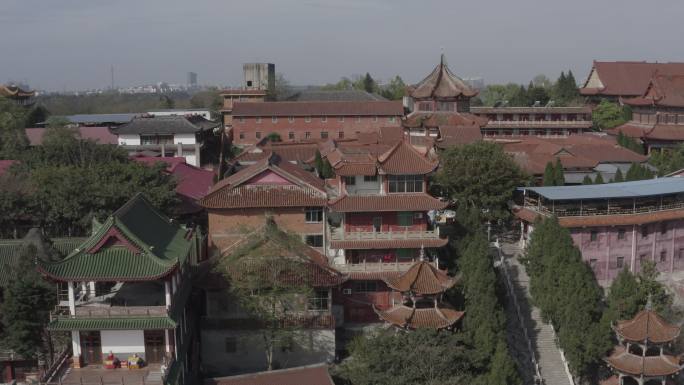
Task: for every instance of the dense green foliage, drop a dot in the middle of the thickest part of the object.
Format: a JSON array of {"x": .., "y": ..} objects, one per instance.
[
  {"x": 609, "y": 115},
  {"x": 618, "y": 176},
  {"x": 563, "y": 92},
  {"x": 323, "y": 166},
  {"x": 638, "y": 172},
  {"x": 599, "y": 179},
  {"x": 630, "y": 293},
  {"x": 12, "y": 123},
  {"x": 65, "y": 183},
  {"x": 393, "y": 90},
  {"x": 629, "y": 143},
  {"x": 553, "y": 174},
  {"x": 668, "y": 160},
  {"x": 24, "y": 313},
  {"x": 565, "y": 290},
  {"x": 587, "y": 180},
  {"x": 480, "y": 175}
]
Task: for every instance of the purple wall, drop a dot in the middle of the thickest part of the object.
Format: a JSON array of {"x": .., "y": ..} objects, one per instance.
[{"x": 604, "y": 252}]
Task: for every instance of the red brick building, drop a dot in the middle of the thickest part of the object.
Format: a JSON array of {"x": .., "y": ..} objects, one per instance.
[{"x": 311, "y": 121}]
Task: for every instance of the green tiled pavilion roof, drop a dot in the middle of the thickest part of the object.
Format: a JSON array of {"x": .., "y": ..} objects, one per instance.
[
  {"x": 153, "y": 247},
  {"x": 143, "y": 323},
  {"x": 9, "y": 251}
]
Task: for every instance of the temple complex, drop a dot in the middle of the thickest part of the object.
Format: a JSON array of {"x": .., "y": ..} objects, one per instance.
[
  {"x": 642, "y": 357},
  {"x": 420, "y": 306}
]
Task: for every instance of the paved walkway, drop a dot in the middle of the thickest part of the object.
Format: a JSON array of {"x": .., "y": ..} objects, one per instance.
[{"x": 542, "y": 337}]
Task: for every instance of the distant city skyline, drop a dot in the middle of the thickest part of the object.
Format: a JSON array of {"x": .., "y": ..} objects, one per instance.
[{"x": 72, "y": 44}]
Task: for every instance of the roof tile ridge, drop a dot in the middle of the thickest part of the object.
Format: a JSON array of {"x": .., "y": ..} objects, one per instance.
[
  {"x": 146, "y": 250},
  {"x": 301, "y": 183}
]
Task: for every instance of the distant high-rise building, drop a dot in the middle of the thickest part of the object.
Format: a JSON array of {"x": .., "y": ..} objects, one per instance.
[
  {"x": 192, "y": 79},
  {"x": 259, "y": 76}
]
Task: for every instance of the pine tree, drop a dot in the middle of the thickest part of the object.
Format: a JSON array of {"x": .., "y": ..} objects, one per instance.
[
  {"x": 587, "y": 180},
  {"x": 598, "y": 179},
  {"x": 368, "y": 83},
  {"x": 549, "y": 175},
  {"x": 618, "y": 176},
  {"x": 503, "y": 371},
  {"x": 559, "y": 175}
]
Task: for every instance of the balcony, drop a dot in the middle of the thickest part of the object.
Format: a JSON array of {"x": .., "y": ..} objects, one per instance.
[
  {"x": 374, "y": 266},
  {"x": 340, "y": 235},
  {"x": 607, "y": 207}
]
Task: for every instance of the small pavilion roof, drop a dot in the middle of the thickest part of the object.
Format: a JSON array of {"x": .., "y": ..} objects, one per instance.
[
  {"x": 649, "y": 366},
  {"x": 136, "y": 243},
  {"x": 647, "y": 326},
  {"x": 635, "y": 189},
  {"x": 422, "y": 278},
  {"x": 420, "y": 318},
  {"x": 441, "y": 83}
]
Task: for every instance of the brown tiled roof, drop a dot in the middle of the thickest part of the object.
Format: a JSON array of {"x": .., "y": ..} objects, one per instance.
[
  {"x": 605, "y": 220},
  {"x": 422, "y": 278},
  {"x": 389, "y": 244},
  {"x": 421, "y": 318},
  {"x": 647, "y": 325},
  {"x": 388, "y": 202},
  {"x": 624, "y": 78},
  {"x": 304, "y": 375},
  {"x": 306, "y": 190},
  {"x": 353, "y": 169},
  {"x": 458, "y": 135},
  {"x": 441, "y": 83},
  {"x": 289, "y": 151},
  {"x": 650, "y": 366},
  {"x": 404, "y": 159},
  {"x": 372, "y": 275},
  {"x": 343, "y": 108}
]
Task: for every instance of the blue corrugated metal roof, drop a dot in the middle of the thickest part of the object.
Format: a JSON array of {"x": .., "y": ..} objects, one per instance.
[{"x": 641, "y": 188}]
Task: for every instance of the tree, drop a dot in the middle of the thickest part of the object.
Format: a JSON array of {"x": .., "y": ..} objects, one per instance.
[
  {"x": 28, "y": 300},
  {"x": 608, "y": 115},
  {"x": 537, "y": 94},
  {"x": 323, "y": 166},
  {"x": 668, "y": 160},
  {"x": 503, "y": 371},
  {"x": 558, "y": 174},
  {"x": 638, "y": 172},
  {"x": 395, "y": 90},
  {"x": 13, "y": 138},
  {"x": 14, "y": 202},
  {"x": 587, "y": 180},
  {"x": 343, "y": 84},
  {"x": 419, "y": 357},
  {"x": 630, "y": 294},
  {"x": 270, "y": 279},
  {"x": 37, "y": 114},
  {"x": 520, "y": 98},
  {"x": 165, "y": 101},
  {"x": 499, "y": 93},
  {"x": 274, "y": 137},
  {"x": 369, "y": 84},
  {"x": 480, "y": 175},
  {"x": 282, "y": 87},
  {"x": 566, "y": 291},
  {"x": 549, "y": 175},
  {"x": 629, "y": 143},
  {"x": 618, "y": 176},
  {"x": 598, "y": 179}
]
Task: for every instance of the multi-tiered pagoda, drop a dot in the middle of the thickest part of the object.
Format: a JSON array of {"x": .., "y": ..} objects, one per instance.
[
  {"x": 642, "y": 356},
  {"x": 422, "y": 287}
]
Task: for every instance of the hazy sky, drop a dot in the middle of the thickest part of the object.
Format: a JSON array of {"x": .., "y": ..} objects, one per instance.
[{"x": 70, "y": 44}]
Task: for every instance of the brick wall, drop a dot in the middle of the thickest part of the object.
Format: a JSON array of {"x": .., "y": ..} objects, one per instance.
[
  {"x": 226, "y": 226},
  {"x": 248, "y": 131}
]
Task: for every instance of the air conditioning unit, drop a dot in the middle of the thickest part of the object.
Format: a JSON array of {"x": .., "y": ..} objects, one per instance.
[{"x": 346, "y": 291}]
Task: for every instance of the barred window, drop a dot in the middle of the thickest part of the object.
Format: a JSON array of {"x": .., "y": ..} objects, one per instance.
[
  {"x": 314, "y": 215},
  {"x": 314, "y": 240},
  {"x": 319, "y": 300},
  {"x": 365, "y": 286}
]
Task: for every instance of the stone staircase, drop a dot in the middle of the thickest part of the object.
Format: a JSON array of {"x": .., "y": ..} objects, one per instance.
[{"x": 541, "y": 335}]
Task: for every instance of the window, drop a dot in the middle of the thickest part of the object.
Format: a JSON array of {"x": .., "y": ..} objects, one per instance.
[
  {"x": 644, "y": 231},
  {"x": 324, "y": 134},
  {"x": 307, "y": 135},
  {"x": 405, "y": 218},
  {"x": 358, "y": 119},
  {"x": 405, "y": 183},
  {"x": 641, "y": 258},
  {"x": 290, "y": 135},
  {"x": 370, "y": 178},
  {"x": 594, "y": 235},
  {"x": 230, "y": 344},
  {"x": 425, "y": 106},
  {"x": 258, "y": 134},
  {"x": 405, "y": 254},
  {"x": 258, "y": 119},
  {"x": 340, "y": 119},
  {"x": 663, "y": 227},
  {"x": 241, "y": 119},
  {"x": 620, "y": 262},
  {"x": 350, "y": 180},
  {"x": 319, "y": 300},
  {"x": 621, "y": 234},
  {"x": 274, "y": 119},
  {"x": 290, "y": 119},
  {"x": 314, "y": 240},
  {"x": 324, "y": 119},
  {"x": 156, "y": 139},
  {"x": 391, "y": 119},
  {"x": 375, "y": 118},
  {"x": 681, "y": 254},
  {"x": 242, "y": 135},
  {"x": 365, "y": 286},
  {"x": 340, "y": 134},
  {"x": 663, "y": 256},
  {"x": 307, "y": 119},
  {"x": 314, "y": 215}
]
